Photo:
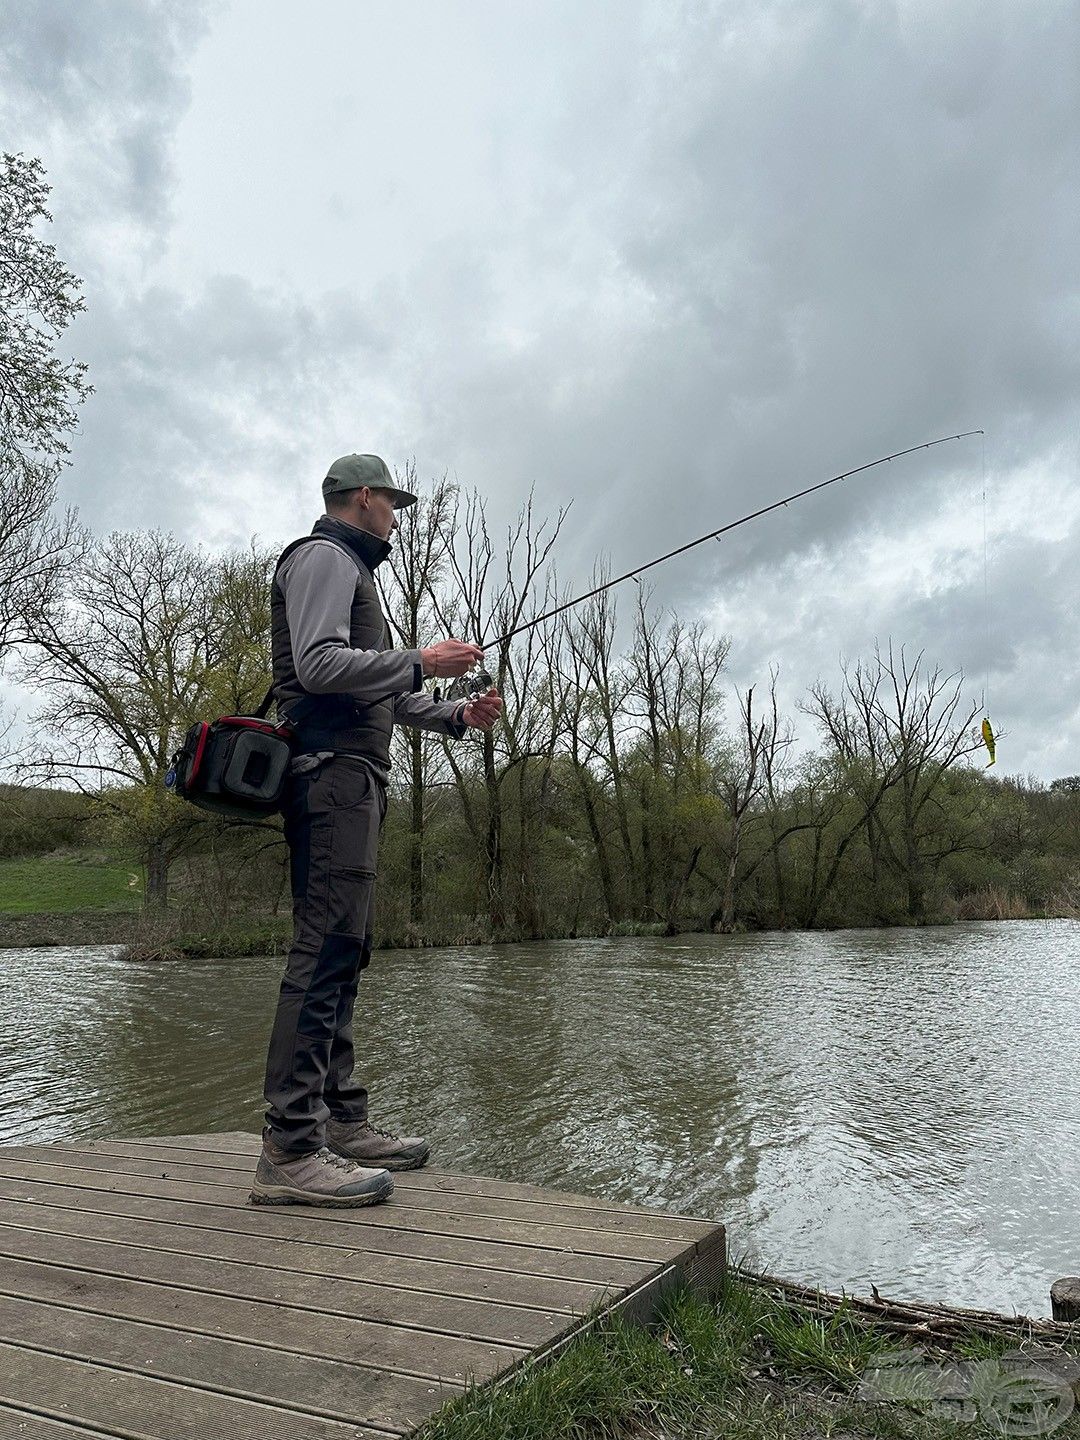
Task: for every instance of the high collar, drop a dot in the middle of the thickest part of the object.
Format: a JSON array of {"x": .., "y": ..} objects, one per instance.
[{"x": 370, "y": 548}]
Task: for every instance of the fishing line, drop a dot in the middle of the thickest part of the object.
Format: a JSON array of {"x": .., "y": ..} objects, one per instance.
[
  {"x": 986, "y": 590},
  {"x": 986, "y": 729}
]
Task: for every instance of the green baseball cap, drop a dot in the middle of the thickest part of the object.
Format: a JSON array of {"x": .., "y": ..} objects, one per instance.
[{"x": 351, "y": 472}]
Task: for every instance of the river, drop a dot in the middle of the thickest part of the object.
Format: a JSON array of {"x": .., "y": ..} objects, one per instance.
[{"x": 899, "y": 1107}]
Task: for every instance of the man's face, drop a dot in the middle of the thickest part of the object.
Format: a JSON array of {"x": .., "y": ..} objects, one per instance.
[{"x": 377, "y": 511}]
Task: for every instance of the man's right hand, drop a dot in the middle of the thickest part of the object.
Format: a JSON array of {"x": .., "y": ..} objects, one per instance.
[{"x": 450, "y": 658}]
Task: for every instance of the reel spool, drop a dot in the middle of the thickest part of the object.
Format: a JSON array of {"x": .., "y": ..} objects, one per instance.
[{"x": 470, "y": 687}]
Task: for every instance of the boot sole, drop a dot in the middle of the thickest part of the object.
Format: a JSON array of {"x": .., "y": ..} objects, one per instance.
[{"x": 283, "y": 1195}]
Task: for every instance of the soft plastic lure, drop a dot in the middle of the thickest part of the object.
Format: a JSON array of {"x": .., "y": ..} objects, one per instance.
[{"x": 988, "y": 740}]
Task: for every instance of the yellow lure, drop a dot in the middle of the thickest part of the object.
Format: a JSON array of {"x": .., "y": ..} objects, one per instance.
[{"x": 988, "y": 741}]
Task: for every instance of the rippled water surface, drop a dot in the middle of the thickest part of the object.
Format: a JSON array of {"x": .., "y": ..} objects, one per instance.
[{"x": 897, "y": 1106}]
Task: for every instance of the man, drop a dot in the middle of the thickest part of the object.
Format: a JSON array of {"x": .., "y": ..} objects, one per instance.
[{"x": 342, "y": 685}]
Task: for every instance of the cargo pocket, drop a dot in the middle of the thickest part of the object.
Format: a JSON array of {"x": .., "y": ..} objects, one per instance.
[
  {"x": 354, "y": 848},
  {"x": 349, "y": 901}
]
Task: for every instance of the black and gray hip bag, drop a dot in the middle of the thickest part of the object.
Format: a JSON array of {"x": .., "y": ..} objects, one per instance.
[{"x": 235, "y": 765}]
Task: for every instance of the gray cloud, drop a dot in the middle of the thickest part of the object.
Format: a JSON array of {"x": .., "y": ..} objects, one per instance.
[
  {"x": 704, "y": 255},
  {"x": 95, "y": 90}
]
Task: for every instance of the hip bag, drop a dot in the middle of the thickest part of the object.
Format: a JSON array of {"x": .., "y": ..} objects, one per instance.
[{"x": 235, "y": 765}]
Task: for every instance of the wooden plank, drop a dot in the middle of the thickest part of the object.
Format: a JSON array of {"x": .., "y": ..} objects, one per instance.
[
  {"x": 155, "y": 1303},
  {"x": 482, "y": 1320},
  {"x": 24, "y": 1425},
  {"x": 387, "y": 1214},
  {"x": 336, "y": 1389},
  {"x": 144, "y": 1408},
  {"x": 406, "y": 1349},
  {"x": 483, "y": 1205},
  {"x": 242, "y": 1144},
  {"x": 333, "y": 1261},
  {"x": 315, "y": 1227}
]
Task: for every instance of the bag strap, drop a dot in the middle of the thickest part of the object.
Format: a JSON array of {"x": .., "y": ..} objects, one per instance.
[{"x": 268, "y": 698}]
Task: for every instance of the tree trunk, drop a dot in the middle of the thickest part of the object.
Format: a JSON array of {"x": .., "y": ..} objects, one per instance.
[
  {"x": 416, "y": 831},
  {"x": 781, "y": 888},
  {"x": 727, "y": 905},
  {"x": 916, "y": 888},
  {"x": 157, "y": 877},
  {"x": 622, "y": 810},
  {"x": 493, "y": 852},
  {"x": 671, "y": 928},
  {"x": 530, "y": 918},
  {"x": 648, "y": 869},
  {"x": 603, "y": 863}
]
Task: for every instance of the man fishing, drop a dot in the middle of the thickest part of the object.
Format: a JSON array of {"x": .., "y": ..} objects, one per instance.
[{"x": 343, "y": 687}]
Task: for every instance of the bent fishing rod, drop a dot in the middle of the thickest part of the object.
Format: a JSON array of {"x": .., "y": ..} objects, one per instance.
[{"x": 715, "y": 535}]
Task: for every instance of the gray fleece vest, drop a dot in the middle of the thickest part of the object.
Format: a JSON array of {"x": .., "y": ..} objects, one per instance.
[{"x": 337, "y": 722}]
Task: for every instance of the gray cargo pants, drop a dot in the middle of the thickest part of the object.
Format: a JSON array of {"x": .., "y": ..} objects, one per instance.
[{"x": 333, "y": 816}]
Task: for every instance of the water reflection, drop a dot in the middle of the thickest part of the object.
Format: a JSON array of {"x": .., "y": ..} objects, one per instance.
[{"x": 890, "y": 1106}]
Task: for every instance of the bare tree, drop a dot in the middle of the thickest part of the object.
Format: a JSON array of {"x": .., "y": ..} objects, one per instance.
[
  {"x": 672, "y": 705},
  {"x": 147, "y": 637},
  {"x": 598, "y": 709},
  {"x": 924, "y": 724},
  {"x": 578, "y": 654},
  {"x": 743, "y": 777},
  {"x": 418, "y": 568},
  {"x": 482, "y": 608},
  {"x": 895, "y": 728}
]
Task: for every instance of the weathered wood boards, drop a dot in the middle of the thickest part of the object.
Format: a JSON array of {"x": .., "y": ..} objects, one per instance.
[{"x": 142, "y": 1296}]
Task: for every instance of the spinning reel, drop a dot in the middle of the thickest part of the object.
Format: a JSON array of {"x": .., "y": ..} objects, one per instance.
[{"x": 468, "y": 687}]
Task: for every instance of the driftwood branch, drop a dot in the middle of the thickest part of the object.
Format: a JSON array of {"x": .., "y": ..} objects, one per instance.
[{"x": 922, "y": 1320}]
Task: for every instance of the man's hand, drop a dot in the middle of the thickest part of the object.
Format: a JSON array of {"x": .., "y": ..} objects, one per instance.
[
  {"x": 482, "y": 712},
  {"x": 450, "y": 658}
]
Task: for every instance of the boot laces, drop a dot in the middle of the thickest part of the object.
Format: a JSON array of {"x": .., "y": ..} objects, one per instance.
[
  {"x": 331, "y": 1157},
  {"x": 376, "y": 1131}
]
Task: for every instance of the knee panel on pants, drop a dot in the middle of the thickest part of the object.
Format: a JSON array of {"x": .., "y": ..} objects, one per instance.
[{"x": 334, "y": 971}]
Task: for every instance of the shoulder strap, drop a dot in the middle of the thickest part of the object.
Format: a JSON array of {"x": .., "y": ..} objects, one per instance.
[{"x": 268, "y": 698}]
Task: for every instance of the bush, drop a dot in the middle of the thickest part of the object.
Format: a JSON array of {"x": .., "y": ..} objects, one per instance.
[{"x": 38, "y": 821}]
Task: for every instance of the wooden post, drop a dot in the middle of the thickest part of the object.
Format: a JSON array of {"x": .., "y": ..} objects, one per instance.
[{"x": 1065, "y": 1298}]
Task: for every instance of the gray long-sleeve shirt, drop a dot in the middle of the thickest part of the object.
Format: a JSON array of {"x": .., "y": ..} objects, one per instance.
[{"x": 318, "y": 582}]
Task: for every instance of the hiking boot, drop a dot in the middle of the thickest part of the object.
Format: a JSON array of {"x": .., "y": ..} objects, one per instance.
[
  {"x": 362, "y": 1141},
  {"x": 319, "y": 1178}
]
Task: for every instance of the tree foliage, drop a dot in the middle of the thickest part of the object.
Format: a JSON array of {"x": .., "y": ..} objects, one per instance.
[{"x": 40, "y": 392}]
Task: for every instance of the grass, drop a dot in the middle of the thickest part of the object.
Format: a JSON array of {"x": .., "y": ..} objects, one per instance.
[
  {"x": 76, "y": 880},
  {"x": 172, "y": 937},
  {"x": 744, "y": 1364}
]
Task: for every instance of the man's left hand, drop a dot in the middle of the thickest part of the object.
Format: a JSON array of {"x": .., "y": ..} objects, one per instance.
[{"x": 481, "y": 714}]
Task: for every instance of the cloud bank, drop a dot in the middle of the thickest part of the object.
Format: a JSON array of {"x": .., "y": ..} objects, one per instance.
[{"x": 669, "y": 261}]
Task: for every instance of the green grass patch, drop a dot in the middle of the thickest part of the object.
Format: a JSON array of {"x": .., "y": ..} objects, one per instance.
[
  {"x": 78, "y": 880},
  {"x": 745, "y": 1365}
]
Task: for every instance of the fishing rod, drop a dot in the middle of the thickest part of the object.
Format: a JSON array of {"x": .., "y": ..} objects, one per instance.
[{"x": 473, "y": 684}]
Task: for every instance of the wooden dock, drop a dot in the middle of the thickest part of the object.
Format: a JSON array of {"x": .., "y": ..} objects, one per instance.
[{"x": 142, "y": 1296}]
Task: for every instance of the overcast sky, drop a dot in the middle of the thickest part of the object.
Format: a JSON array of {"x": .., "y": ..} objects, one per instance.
[{"x": 670, "y": 261}]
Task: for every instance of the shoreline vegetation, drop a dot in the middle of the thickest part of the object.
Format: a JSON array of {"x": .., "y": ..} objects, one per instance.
[
  {"x": 767, "y": 1359},
  {"x": 94, "y": 896},
  {"x": 174, "y": 936}
]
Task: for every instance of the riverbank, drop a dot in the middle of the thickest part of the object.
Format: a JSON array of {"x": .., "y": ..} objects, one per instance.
[
  {"x": 178, "y": 937},
  {"x": 756, "y": 1362}
]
